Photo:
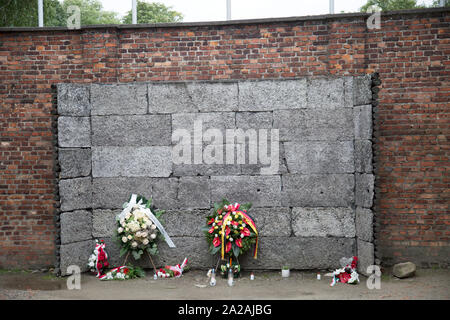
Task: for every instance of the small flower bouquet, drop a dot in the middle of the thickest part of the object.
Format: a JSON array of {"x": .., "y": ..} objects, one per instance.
[
  {"x": 123, "y": 273},
  {"x": 231, "y": 231},
  {"x": 346, "y": 274},
  {"x": 98, "y": 260},
  {"x": 138, "y": 228}
]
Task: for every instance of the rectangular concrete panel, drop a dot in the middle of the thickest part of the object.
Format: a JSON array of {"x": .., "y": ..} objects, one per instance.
[
  {"x": 73, "y": 100},
  {"x": 111, "y": 193},
  {"x": 131, "y": 130},
  {"x": 314, "y": 124},
  {"x": 272, "y": 95},
  {"x": 75, "y": 193},
  {"x": 323, "y": 222},
  {"x": 170, "y": 98},
  {"x": 74, "y": 132},
  {"x": 316, "y": 190},
  {"x": 326, "y": 93},
  {"x": 319, "y": 157},
  {"x": 76, "y": 226},
  {"x": 74, "y": 162},
  {"x": 115, "y": 99},
  {"x": 131, "y": 161},
  {"x": 262, "y": 191}
]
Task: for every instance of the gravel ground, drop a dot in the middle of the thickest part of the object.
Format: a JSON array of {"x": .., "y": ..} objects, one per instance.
[{"x": 427, "y": 284}]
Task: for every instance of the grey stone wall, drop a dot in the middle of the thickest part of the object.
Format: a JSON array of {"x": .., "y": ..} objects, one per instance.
[{"x": 115, "y": 140}]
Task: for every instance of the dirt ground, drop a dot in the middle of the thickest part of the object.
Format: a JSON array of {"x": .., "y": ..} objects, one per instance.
[{"x": 427, "y": 284}]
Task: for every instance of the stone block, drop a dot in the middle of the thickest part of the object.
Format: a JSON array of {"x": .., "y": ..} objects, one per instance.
[
  {"x": 76, "y": 253},
  {"x": 135, "y": 130},
  {"x": 180, "y": 170},
  {"x": 262, "y": 191},
  {"x": 363, "y": 156},
  {"x": 214, "y": 96},
  {"x": 112, "y": 193},
  {"x": 404, "y": 270},
  {"x": 348, "y": 91},
  {"x": 193, "y": 192},
  {"x": 326, "y": 93},
  {"x": 272, "y": 95},
  {"x": 185, "y": 222},
  {"x": 254, "y": 120},
  {"x": 155, "y": 161},
  {"x": 74, "y": 132},
  {"x": 314, "y": 124},
  {"x": 76, "y": 226},
  {"x": 299, "y": 253},
  {"x": 308, "y": 157},
  {"x": 362, "y": 90},
  {"x": 272, "y": 163},
  {"x": 364, "y": 186},
  {"x": 364, "y": 224},
  {"x": 75, "y": 193},
  {"x": 363, "y": 122},
  {"x": 365, "y": 252},
  {"x": 170, "y": 98},
  {"x": 74, "y": 162},
  {"x": 118, "y": 99},
  {"x": 315, "y": 190},
  {"x": 200, "y": 122},
  {"x": 104, "y": 223},
  {"x": 73, "y": 100},
  {"x": 185, "y": 192},
  {"x": 165, "y": 193},
  {"x": 272, "y": 222},
  {"x": 323, "y": 222}
]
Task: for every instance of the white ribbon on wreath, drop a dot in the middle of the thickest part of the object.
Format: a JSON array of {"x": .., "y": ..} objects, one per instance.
[{"x": 132, "y": 204}]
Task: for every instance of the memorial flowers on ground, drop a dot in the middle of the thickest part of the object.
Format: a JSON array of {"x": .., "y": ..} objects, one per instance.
[
  {"x": 138, "y": 229},
  {"x": 230, "y": 231}
]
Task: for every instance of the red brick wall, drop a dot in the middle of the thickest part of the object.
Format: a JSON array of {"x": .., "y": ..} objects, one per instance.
[{"x": 411, "y": 53}]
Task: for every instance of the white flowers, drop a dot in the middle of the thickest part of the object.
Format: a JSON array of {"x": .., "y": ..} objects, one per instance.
[{"x": 136, "y": 229}]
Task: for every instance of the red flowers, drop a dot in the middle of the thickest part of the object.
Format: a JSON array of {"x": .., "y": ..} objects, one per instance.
[
  {"x": 227, "y": 230},
  {"x": 211, "y": 221},
  {"x": 245, "y": 232},
  {"x": 355, "y": 260},
  {"x": 228, "y": 247},
  {"x": 216, "y": 242},
  {"x": 211, "y": 230},
  {"x": 239, "y": 242}
]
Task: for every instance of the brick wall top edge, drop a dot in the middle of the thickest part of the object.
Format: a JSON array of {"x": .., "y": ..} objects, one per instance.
[
  {"x": 313, "y": 77},
  {"x": 355, "y": 15}
]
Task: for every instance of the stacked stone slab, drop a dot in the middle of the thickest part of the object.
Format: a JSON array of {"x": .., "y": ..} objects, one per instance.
[{"x": 115, "y": 140}]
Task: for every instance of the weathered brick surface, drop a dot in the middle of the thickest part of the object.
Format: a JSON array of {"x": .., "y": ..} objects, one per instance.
[{"x": 409, "y": 52}]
